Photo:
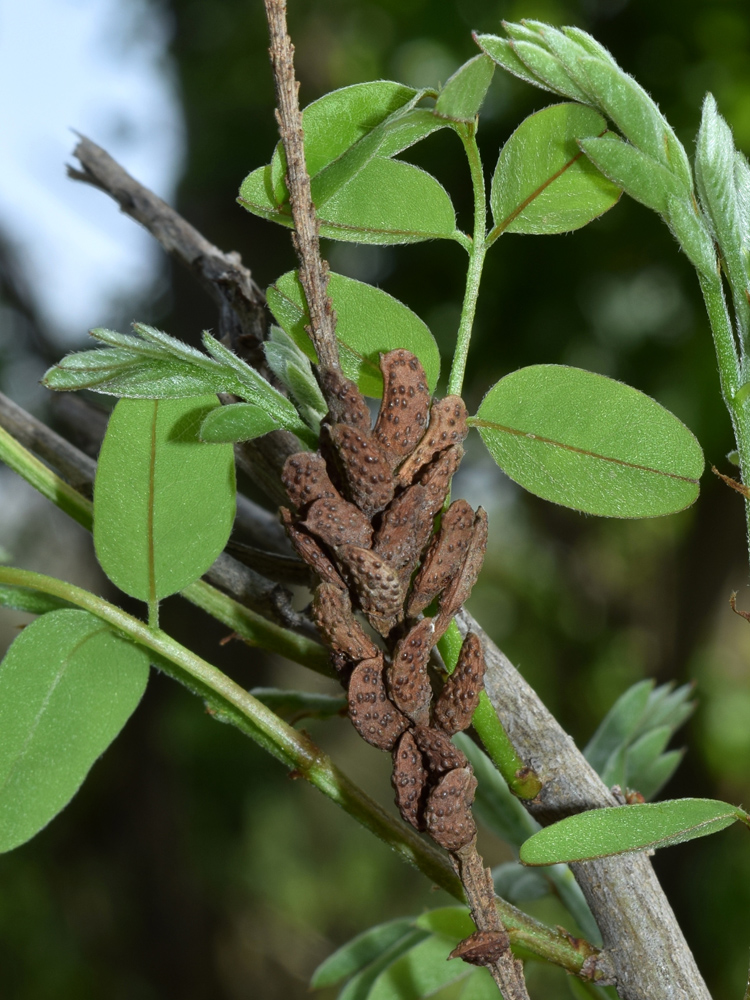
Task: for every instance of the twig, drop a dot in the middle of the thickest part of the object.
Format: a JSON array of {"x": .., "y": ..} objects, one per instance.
[
  {"x": 313, "y": 272},
  {"x": 640, "y": 932},
  {"x": 222, "y": 275}
]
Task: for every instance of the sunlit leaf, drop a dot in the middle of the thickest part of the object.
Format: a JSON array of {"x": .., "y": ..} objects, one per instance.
[
  {"x": 542, "y": 182},
  {"x": 600, "y": 833},
  {"x": 369, "y": 321},
  {"x": 462, "y": 96},
  {"x": 67, "y": 687},
  {"x": 236, "y": 422},
  {"x": 163, "y": 500},
  {"x": 589, "y": 442}
]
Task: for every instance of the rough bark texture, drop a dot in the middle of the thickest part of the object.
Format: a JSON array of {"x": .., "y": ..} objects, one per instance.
[{"x": 651, "y": 958}]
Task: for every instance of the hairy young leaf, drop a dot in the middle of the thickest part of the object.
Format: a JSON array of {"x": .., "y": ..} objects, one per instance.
[
  {"x": 136, "y": 377},
  {"x": 502, "y": 52},
  {"x": 369, "y": 322},
  {"x": 67, "y": 687},
  {"x": 163, "y": 500},
  {"x": 360, "y": 951},
  {"x": 543, "y": 183},
  {"x": 600, "y": 833},
  {"x": 462, "y": 96},
  {"x": 549, "y": 70},
  {"x": 236, "y": 422},
  {"x": 589, "y": 442}
]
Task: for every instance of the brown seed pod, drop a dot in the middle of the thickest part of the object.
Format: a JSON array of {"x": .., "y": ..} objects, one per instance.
[
  {"x": 408, "y": 682},
  {"x": 365, "y": 472},
  {"x": 448, "y": 811},
  {"x": 436, "y": 477},
  {"x": 309, "y": 550},
  {"x": 406, "y": 402},
  {"x": 460, "y": 695},
  {"x": 482, "y": 947},
  {"x": 404, "y": 531},
  {"x": 346, "y": 403},
  {"x": 444, "y": 556},
  {"x": 409, "y": 780},
  {"x": 336, "y": 522},
  {"x": 306, "y": 480},
  {"x": 373, "y": 714},
  {"x": 447, "y": 427},
  {"x": 376, "y": 584},
  {"x": 440, "y": 755},
  {"x": 461, "y": 585},
  {"x": 332, "y": 613}
]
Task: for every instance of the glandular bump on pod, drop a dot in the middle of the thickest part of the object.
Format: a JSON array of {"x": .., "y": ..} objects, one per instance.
[
  {"x": 460, "y": 695},
  {"x": 448, "y": 816},
  {"x": 376, "y": 583},
  {"x": 373, "y": 714},
  {"x": 309, "y": 550},
  {"x": 409, "y": 780},
  {"x": 336, "y": 522},
  {"x": 346, "y": 402},
  {"x": 440, "y": 755},
  {"x": 364, "y": 469},
  {"x": 460, "y": 587}
]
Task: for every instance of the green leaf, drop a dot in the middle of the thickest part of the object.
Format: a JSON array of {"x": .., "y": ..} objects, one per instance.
[
  {"x": 67, "y": 687},
  {"x": 423, "y": 970},
  {"x": 297, "y": 705},
  {"x": 30, "y": 601},
  {"x": 549, "y": 70},
  {"x": 359, "y": 986},
  {"x": 601, "y": 833},
  {"x": 695, "y": 239},
  {"x": 369, "y": 321},
  {"x": 163, "y": 500},
  {"x": 542, "y": 182},
  {"x": 136, "y": 377},
  {"x": 449, "y": 921},
  {"x": 518, "y": 885},
  {"x": 463, "y": 94},
  {"x": 653, "y": 778},
  {"x": 479, "y": 986},
  {"x": 236, "y": 422},
  {"x": 619, "y": 724},
  {"x": 589, "y": 442},
  {"x": 360, "y": 951},
  {"x": 404, "y": 130},
  {"x": 338, "y": 121},
  {"x": 387, "y": 202},
  {"x": 502, "y": 52}
]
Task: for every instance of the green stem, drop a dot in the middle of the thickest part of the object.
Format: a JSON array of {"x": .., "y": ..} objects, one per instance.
[
  {"x": 476, "y": 260},
  {"x": 251, "y": 627},
  {"x": 520, "y": 778},
  {"x": 736, "y": 394},
  {"x": 229, "y": 702}
]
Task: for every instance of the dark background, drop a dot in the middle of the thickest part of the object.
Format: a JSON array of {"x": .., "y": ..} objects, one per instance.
[{"x": 190, "y": 866}]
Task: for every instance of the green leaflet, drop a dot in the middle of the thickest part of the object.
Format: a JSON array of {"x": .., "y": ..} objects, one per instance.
[
  {"x": 163, "y": 500},
  {"x": 30, "y": 601},
  {"x": 462, "y": 96},
  {"x": 449, "y": 921},
  {"x": 387, "y": 202},
  {"x": 67, "y": 687},
  {"x": 360, "y": 951},
  {"x": 423, "y": 970},
  {"x": 543, "y": 183},
  {"x": 502, "y": 52},
  {"x": 601, "y": 833},
  {"x": 369, "y": 322},
  {"x": 296, "y": 705},
  {"x": 589, "y": 442},
  {"x": 236, "y": 422}
]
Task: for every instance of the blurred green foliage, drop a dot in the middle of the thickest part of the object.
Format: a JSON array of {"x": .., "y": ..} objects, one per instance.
[{"x": 190, "y": 866}]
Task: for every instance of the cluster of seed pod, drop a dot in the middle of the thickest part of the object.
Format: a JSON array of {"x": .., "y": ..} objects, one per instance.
[{"x": 364, "y": 519}]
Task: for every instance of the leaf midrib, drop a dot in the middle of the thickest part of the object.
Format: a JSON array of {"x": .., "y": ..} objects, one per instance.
[{"x": 477, "y": 422}]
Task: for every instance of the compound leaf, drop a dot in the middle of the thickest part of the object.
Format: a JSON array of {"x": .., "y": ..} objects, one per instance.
[
  {"x": 163, "y": 501},
  {"x": 542, "y": 182},
  {"x": 67, "y": 687},
  {"x": 589, "y": 442}
]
